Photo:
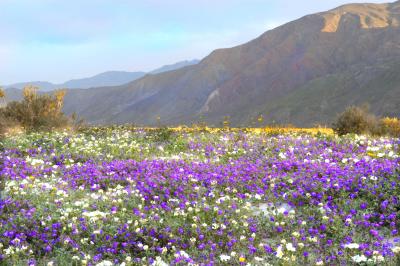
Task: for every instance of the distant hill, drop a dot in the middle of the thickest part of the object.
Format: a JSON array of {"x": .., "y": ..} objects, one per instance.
[
  {"x": 43, "y": 85},
  {"x": 175, "y": 66},
  {"x": 109, "y": 78}
]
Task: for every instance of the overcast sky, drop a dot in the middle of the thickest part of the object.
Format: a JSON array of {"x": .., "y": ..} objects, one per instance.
[{"x": 56, "y": 40}]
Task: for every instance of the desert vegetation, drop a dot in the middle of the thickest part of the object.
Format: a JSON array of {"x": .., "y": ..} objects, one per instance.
[
  {"x": 358, "y": 120},
  {"x": 121, "y": 195},
  {"x": 35, "y": 112},
  {"x": 198, "y": 196}
]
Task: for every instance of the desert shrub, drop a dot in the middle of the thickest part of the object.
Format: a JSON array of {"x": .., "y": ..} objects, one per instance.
[
  {"x": 2, "y": 118},
  {"x": 391, "y": 126},
  {"x": 225, "y": 123},
  {"x": 2, "y": 126},
  {"x": 164, "y": 134},
  {"x": 78, "y": 124},
  {"x": 6, "y": 123},
  {"x": 37, "y": 111},
  {"x": 356, "y": 120}
]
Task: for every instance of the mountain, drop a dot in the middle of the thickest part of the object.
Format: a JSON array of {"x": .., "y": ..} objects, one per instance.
[
  {"x": 175, "y": 66},
  {"x": 43, "y": 85},
  {"x": 303, "y": 73},
  {"x": 110, "y": 78}
]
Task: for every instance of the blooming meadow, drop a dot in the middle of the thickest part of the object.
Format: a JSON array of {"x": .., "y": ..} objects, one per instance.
[{"x": 121, "y": 196}]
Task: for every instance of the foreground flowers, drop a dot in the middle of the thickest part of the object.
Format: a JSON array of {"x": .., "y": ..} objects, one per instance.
[{"x": 124, "y": 197}]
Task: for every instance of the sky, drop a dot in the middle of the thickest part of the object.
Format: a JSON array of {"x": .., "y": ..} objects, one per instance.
[{"x": 55, "y": 40}]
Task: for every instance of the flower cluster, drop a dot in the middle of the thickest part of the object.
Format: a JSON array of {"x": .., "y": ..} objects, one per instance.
[{"x": 123, "y": 197}]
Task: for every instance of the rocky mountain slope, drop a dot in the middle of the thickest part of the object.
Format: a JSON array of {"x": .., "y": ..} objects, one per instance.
[{"x": 303, "y": 73}]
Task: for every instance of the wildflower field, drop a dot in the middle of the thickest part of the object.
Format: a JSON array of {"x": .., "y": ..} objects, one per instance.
[{"x": 131, "y": 196}]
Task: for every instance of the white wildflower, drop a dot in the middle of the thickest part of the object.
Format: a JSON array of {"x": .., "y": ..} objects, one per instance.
[{"x": 359, "y": 259}]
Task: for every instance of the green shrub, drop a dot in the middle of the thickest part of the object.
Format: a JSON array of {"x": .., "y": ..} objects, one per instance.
[
  {"x": 356, "y": 120},
  {"x": 36, "y": 111}
]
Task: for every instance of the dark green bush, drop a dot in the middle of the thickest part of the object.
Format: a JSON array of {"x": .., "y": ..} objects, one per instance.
[{"x": 356, "y": 120}]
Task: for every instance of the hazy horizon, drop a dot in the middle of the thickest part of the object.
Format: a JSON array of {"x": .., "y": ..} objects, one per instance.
[{"x": 54, "y": 41}]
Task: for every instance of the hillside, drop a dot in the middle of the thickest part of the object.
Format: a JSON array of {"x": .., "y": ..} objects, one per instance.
[
  {"x": 175, "y": 66},
  {"x": 109, "y": 78},
  {"x": 302, "y": 73}
]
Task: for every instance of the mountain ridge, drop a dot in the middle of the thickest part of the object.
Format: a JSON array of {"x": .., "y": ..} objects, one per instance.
[
  {"x": 244, "y": 81},
  {"x": 104, "y": 79},
  {"x": 303, "y": 73}
]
